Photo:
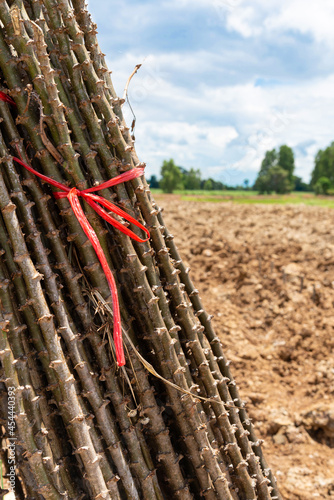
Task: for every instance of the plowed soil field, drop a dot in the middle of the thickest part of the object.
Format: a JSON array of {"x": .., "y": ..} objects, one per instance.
[{"x": 266, "y": 272}]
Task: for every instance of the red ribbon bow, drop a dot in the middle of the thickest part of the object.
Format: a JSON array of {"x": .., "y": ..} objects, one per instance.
[{"x": 72, "y": 194}]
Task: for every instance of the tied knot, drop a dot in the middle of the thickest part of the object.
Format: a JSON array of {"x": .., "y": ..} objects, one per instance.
[{"x": 75, "y": 192}]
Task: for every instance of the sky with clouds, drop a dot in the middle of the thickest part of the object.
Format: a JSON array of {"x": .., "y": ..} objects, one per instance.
[{"x": 223, "y": 81}]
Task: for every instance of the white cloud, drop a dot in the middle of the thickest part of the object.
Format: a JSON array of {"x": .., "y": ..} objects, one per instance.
[
  {"x": 315, "y": 18},
  {"x": 244, "y": 20},
  {"x": 289, "y": 115},
  {"x": 187, "y": 123},
  {"x": 251, "y": 18},
  {"x": 187, "y": 143},
  {"x": 188, "y": 110}
]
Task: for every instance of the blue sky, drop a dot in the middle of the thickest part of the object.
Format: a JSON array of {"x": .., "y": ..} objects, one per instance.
[{"x": 222, "y": 81}]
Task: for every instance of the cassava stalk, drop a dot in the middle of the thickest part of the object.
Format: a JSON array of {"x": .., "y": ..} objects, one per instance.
[{"x": 120, "y": 434}]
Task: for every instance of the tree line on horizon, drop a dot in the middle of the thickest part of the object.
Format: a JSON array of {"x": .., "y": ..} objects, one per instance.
[
  {"x": 276, "y": 175},
  {"x": 174, "y": 177}
]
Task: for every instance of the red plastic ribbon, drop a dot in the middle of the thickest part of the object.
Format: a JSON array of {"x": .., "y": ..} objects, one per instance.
[
  {"x": 7, "y": 98},
  {"x": 72, "y": 194}
]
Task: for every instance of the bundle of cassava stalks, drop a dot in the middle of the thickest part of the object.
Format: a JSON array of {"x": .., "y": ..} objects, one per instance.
[{"x": 86, "y": 270}]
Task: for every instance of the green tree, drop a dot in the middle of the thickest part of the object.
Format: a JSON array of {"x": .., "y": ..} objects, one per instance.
[
  {"x": 324, "y": 165},
  {"x": 271, "y": 175},
  {"x": 153, "y": 182},
  {"x": 216, "y": 185},
  {"x": 262, "y": 184},
  {"x": 171, "y": 177},
  {"x": 286, "y": 160},
  {"x": 192, "y": 179},
  {"x": 270, "y": 160},
  {"x": 208, "y": 185},
  {"x": 278, "y": 180},
  {"x": 300, "y": 185},
  {"x": 322, "y": 186}
]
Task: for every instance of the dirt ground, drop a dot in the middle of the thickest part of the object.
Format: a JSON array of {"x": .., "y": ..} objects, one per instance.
[{"x": 266, "y": 272}]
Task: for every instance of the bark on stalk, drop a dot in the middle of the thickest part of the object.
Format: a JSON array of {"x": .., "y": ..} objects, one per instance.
[{"x": 85, "y": 428}]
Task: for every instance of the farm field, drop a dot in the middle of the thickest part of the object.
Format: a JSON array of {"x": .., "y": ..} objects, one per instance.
[
  {"x": 252, "y": 197},
  {"x": 266, "y": 272}
]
